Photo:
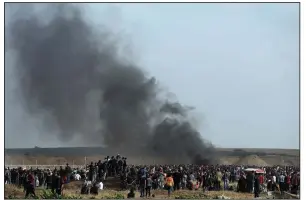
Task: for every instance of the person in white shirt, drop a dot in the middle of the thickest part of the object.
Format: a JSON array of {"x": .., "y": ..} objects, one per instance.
[
  {"x": 86, "y": 187},
  {"x": 100, "y": 185},
  {"x": 36, "y": 181},
  {"x": 77, "y": 177},
  {"x": 87, "y": 182},
  {"x": 282, "y": 183},
  {"x": 274, "y": 179}
]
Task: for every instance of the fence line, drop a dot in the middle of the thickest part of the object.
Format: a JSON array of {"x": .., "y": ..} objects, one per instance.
[
  {"x": 43, "y": 166},
  {"x": 9, "y": 163}
]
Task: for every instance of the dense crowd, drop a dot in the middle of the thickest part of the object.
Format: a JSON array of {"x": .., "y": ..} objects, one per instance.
[{"x": 155, "y": 177}]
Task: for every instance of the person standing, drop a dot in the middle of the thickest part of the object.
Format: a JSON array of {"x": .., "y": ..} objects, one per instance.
[
  {"x": 49, "y": 180},
  {"x": 30, "y": 188},
  {"x": 177, "y": 179},
  {"x": 294, "y": 183},
  {"x": 91, "y": 172},
  {"x": 7, "y": 176},
  {"x": 142, "y": 185},
  {"x": 148, "y": 185},
  {"x": 256, "y": 186},
  {"x": 169, "y": 184},
  {"x": 288, "y": 179},
  {"x": 282, "y": 185},
  {"x": 250, "y": 179},
  {"x": 219, "y": 179},
  {"x": 68, "y": 172},
  {"x": 58, "y": 184}
]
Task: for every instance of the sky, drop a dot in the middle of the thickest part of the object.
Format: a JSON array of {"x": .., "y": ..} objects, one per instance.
[{"x": 237, "y": 64}]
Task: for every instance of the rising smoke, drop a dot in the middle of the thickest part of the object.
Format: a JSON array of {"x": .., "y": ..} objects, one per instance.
[{"x": 75, "y": 74}]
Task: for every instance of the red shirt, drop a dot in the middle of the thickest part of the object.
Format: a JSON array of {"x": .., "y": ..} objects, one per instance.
[
  {"x": 31, "y": 179},
  {"x": 294, "y": 180},
  {"x": 64, "y": 179},
  {"x": 288, "y": 179},
  {"x": 261, "y": 179}
]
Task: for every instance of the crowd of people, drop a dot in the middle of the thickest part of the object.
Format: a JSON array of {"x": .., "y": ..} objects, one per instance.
[{"x": 155, "y": 177}]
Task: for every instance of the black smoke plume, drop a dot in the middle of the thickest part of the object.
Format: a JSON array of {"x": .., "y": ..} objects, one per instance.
[{"x": 73, "y": 72}]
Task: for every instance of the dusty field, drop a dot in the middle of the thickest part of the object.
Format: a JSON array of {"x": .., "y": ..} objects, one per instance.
[
  {"x": 80, "y": 156},
  {"x": 111, "y": 191},
  {"x": 73, "y": 192}
]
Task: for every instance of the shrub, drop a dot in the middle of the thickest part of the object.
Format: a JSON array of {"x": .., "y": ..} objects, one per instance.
[
  {"x": 115, "y": 196},
  {"x": 191, "y": 196}
]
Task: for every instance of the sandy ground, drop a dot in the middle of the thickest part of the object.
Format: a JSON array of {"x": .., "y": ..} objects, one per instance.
[
  {"x": 72, "y": 191},
  {"x": 42, "y": 156}
]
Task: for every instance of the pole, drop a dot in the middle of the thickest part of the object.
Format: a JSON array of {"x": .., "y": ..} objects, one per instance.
[
  {"x": 36, "y": 163},
  {"x": 85, "y": 161},
  {"x": 73, "y": 163}
]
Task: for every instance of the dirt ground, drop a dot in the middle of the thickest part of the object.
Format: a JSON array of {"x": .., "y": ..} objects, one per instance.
[
  {"x": 78, "y": 156},
  {"x": 72, "y": 190}
]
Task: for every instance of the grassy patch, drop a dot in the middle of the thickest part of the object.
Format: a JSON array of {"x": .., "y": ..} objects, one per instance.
[{"x": 13, "y": 192}]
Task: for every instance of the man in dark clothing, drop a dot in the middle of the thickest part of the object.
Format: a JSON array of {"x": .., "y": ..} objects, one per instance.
[
  {"x": 142, "y": 185},
  {"x": 68, "y": 172},
  {"x": 250, "y": 179},
  {"x": 7, "y": 176},
  {"x": 14, "y": 174},
  {"x": 21, "y": 173},
  {"x": 25, "y": 181},
  {"x": 120, "y": 165},
  {"x": 114, "y": 166},
  {"x": 99, "y": 170},
  {"x": 61, "y": 171},
  {"x": 58, "y": 185},
  {"x": 204, "y": 182},
  {"x": 256, "y": 186},
  {"x": 54, "y": 183},
  {"x": 177, "y": 176},
  {"x": 49, "y": 180},
  {"x": 242, "y": 185},
  {"x": 131, "y": 194},
  {"x": 104, "y": 168},
  {"x": 30, "y": 188},
  {"x": 294, "y": 182},
  {"x": 91, "y": 172}
]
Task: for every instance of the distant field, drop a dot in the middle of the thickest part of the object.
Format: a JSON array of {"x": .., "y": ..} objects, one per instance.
[
  {"x": 293, "y": 152},
  {"x": 76, "y": 156}
]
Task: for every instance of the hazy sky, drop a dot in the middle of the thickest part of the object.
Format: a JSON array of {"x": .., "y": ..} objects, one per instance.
[{"x": 237, "y": 64}]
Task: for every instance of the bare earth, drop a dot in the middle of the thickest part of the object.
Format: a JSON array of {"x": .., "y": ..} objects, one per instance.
[{"x": 80, "y": 156}]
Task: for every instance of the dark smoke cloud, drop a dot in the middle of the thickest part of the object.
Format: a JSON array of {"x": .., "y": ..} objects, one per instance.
[{"x": 73, "y": 72}]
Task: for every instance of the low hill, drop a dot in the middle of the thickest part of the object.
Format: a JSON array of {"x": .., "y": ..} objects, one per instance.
[{"x": 81, "y": 155}]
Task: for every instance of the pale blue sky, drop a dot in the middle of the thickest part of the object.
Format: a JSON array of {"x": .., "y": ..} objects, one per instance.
[{"x": 238, "y": 64}]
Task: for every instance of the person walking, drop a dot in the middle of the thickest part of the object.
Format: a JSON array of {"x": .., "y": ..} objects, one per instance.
[
  {"x": 148, "y": 185},
  {"x": 169, "y": 184},
  {"x": 30, "y": 187},
  {"x": 256, "y": 186},
  {"x": 142, "y": 185}
]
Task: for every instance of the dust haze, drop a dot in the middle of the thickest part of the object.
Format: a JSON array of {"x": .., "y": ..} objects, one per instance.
[{"x": 72, "y": 77}]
